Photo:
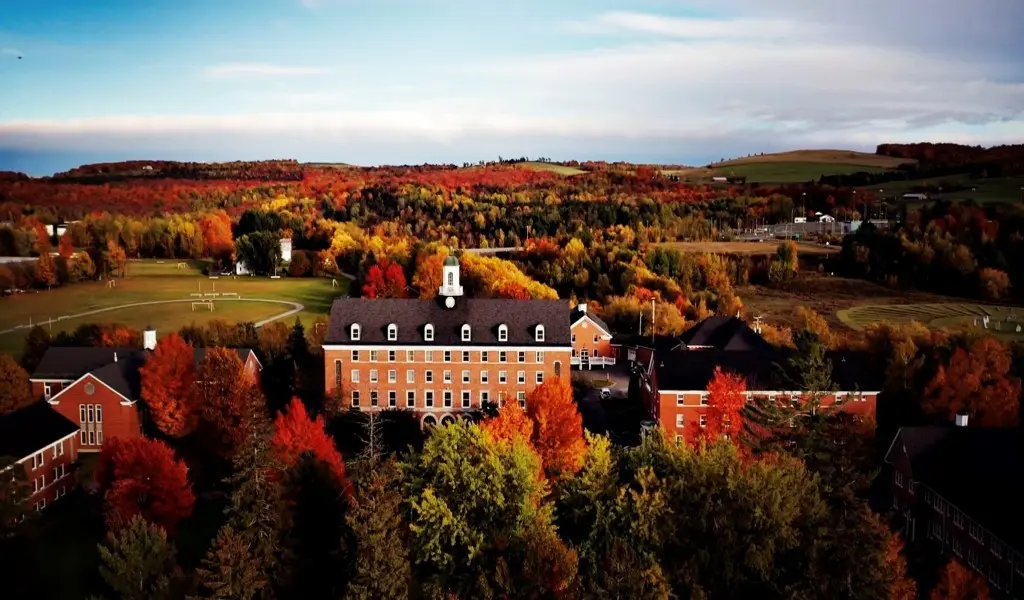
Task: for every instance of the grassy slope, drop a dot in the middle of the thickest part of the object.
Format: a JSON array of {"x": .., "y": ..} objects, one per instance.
[
  {"x": 794, "y": 166},
  {"x": 946, "y": 314},
  {"x": 997, "y": 189},
  {"x": 560, "y": 169}
]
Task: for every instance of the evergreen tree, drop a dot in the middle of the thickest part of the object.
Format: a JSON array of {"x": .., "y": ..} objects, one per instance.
[
  {"x": 229, "y": 571},
  {"x": 381, "y": 534},
  {"x": 37, "y": 342},
  {"x": 138, "y": 562}
]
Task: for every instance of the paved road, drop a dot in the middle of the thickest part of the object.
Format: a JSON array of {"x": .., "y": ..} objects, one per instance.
[
  {"x": 493, "y": 250},
  {"x": 296, "y": 308}
]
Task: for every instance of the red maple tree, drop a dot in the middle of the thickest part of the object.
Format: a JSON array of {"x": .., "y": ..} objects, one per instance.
[
  {"x": 65, "y": 246},
  {"x": 168, "y": 380},
  {"x": 222, "y": 391},
  {"x": 977, "y": 382},
  {"x": 510, "y": 423},
  {"x": 385, "y": 279},
  {"x": 726, "y": 398},
  {"x": 558, "y": 428},
  {"x": 957, "y": 582},
  {"x": 296, "y": 434},
  {"x": 140, "y": 476}
]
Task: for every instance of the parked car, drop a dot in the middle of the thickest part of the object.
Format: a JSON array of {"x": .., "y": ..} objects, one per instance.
[{"x": 606, "y": 393}]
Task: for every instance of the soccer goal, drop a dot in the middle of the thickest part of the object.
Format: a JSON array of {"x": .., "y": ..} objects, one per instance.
[{"x": 206, "y": 304}]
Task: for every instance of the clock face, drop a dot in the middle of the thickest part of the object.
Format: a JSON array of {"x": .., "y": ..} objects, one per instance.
[{"x": 449, "y": 302}]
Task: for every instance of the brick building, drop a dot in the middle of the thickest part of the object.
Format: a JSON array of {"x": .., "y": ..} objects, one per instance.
[
  {"x": 676, "y": 371},
  {"x": 591, "y": 339},
  {"x": 44, "y": 443},
  {"x": 960, "y": 489},
  {"x": 100, "y": 388},
  {"x": 445, "y": 357}
]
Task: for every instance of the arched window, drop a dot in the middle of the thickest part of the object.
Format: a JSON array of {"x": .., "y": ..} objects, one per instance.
[
  {"x": 465, "y": 333},
  {"x": 354, "y": 332},
  {"x": 502, "y": 333},
  {"x": 451, "y": 278},
  {"x": 392, "y": 332},
  {"x": 428, "y": 333},
  {"x": 539, "y": 333}
]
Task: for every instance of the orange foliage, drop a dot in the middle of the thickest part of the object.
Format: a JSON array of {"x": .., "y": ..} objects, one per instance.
[
  {"x": 65, "y": 246},
  {"x": 427, "y": 278},
  {"x": 168, "y": 378},
  {"x": 901, "y": 587},
  {"x": 726, "y": 399},
  {"x": 558, "y": 428},
  {"x": 978, "y": 382},
  {"x": 957, "y": 582},
  {"x": 140, "y": 476},
  {"x": 296, "y": 434},
  {"x": 217, "y": 238},
  {"x": 511, "y": 422},
  {"x": 817, "y": 325},
  {"x": 223, "y": 390}
]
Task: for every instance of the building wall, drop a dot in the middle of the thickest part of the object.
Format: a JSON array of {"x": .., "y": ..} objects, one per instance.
[
  {"x": 50, "y": 472},
  {"x": 116, "y": 419},
  {"x": 586, "y": 336},
  {"x": 422, "y": 363},
  {"x": 56, "y": 385}
]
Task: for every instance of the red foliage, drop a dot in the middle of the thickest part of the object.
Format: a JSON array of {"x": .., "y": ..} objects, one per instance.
[
  {"x": 168, "y": 378},
  {"x": 296, "y": 434},
  {"x": 385, "y": 279},
  {"x": 510, "y": 423},
  {"x": 140, "y": 476},
  {"x": 66, "y": 247},
  {"x": 223, "y": 390},
  {"x": 957, "y": 582},
  {"x": 977, "y": 382},
  {"x": 113, "y": 335},
  {"x": 726, "y": 398},
  {"x": 558, "y": 428},
  {"x": 216, "y": 228}
]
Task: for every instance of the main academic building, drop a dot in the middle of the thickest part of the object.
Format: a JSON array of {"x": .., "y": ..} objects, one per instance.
[{"x": 443, "y": 357}]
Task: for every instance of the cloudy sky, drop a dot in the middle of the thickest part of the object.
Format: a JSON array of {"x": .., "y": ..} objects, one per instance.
[{"x": 412, "y": 81}]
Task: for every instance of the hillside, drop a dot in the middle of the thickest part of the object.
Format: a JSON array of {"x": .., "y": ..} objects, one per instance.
[
  {"x": 823, "y": 157},
  {"x": 796, "y": 166}
]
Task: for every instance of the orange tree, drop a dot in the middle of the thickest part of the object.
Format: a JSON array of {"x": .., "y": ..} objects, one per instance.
[
  {"x": 15, "y": 390},
  {"x": 168, "y": 379},
  {"x": 223, "y": 391},
  {"x": 510, "y": 423},
  {"x": 558, "y": 428},
  {"x": 957, "y": 582},
  {"x": 726, "y": 399},
  {"x": 978, "y": 382},
  {"x": 295, "y": 434}
]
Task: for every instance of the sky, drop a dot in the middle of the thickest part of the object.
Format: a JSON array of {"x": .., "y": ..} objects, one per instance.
[{"x": 412, "y": 81}]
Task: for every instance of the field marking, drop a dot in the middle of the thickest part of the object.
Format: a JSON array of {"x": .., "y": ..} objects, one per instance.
[{"x": 296, "y": 308}]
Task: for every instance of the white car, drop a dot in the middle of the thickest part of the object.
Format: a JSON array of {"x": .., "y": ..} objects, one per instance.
[{"x": 606, "y": 393}]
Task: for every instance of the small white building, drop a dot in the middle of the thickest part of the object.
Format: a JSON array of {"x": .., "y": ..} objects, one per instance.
[
  {"x": 286, "y": 250},
  {"x": 800, "y": 219},
  {"x": 826, "y": 219}
]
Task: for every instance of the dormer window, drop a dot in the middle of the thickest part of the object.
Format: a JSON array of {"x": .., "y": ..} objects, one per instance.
[
  {"x": 502, "y": 333},
  {"x": 465, "y": 332},
  {"x": 538, "y": 334},
  {"x": 428, "y": 333},
  {"x": 354, "y": 332},
  {"x": 392, "y": 332}
]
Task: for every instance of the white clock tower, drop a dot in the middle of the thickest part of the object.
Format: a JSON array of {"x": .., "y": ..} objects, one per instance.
[{"x": 450, "y": 287}]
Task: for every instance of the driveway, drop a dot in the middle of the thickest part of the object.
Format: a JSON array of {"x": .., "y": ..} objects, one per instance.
[{"x": 617, "y": 417}]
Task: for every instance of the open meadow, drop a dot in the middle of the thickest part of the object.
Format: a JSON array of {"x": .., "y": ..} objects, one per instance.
[
  {"x": 1006, "y": 322},
  {"x": 792, "y": 167},
  {"x": 554, "y": 168},
  {"x": 258, "y": 298},
  {"x": 747, "y": 248},
  {"x": 996, "y": 189}
]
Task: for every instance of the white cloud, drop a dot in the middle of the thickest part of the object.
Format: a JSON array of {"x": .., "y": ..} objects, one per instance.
[
  {"x": 641, "y": 23},
  {"x": 11, "y": 52},
  {"x": 244, "y": 69}
]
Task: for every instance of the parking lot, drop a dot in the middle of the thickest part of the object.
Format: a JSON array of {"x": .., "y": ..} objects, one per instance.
[{"x": 615, "y": 416}]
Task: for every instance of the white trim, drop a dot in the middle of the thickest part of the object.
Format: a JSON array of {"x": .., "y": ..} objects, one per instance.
[
  {"x": 587, "y": 317},
  {"x": 428, "y": 333},
  {"x": 125, "y": 402},
  {"x": 467, "y": 347},
  {"x": 34, "y": 380},
  {"x": 43, "y": 449}
]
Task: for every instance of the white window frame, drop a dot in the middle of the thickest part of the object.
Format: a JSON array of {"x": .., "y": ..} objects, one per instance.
[
  {"x": 355, "y": 356},
  {"x": 410, "y": 398},
  {"x": 540, "y": 357},
  {"x": 467, "y": 399},
  {"x": 373, "y": 356},
  {"x": 47, "y": 392},
  {"x": 485, "y": 396},
  {"x": 410, "y": 376},
  {"x": 540, "y": 377},
  {"x": 898, "y": 478},
  {"x": 392, "y": 332},
  {"x": 428, "y": 376},
  {"x": 392, "y": 356},
  {"x": 428, "y": 399},
  {"x": 502, "y": 333},
  {"x": 465, "y": 356},
  {"x": 484, "y": 377},
  {"x": 522, "y": 356},
  {"x": 502, "y": 356},
  {"x": 392, "y": 399},
  {"x": 521, "y": 396},
  {"x": 447, "y": 356},
  {"x": 447, "y": 398},
  {"x": 354, "y": 332},
  {"x": 485, "y": 356},
  {"x": 410, "y": 356},
  {"x": 447, "y": 376},
  {"x": 680, "y": 420},
  {"x": 502, "y": 377},
  {"x": 355, "y": 397},
  {"x": 521, "y": 377},
  {"x": 467, "y": 332},
  {"x": 703, "y": 421},
  {"x": 428, "y": 333},
  {"x": 374, "y": 398},
  {"x": 466, "y": 376},
  {"x": 354, "y": 376},
  {"x": 538, "y": 333},
  {"x": 392, "y": 375},
  {"x": 99, "y": 413},
  {"x": 374, "y": 376}
]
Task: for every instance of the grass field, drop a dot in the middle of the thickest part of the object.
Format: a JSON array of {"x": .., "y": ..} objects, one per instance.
[
  {"x": 314, "y": 294},
  {"x": 747, "y": 248},
  {"x": 560, "y": 169},
  {"x": 998, "y": 189},
  {"x": 792, "y": 167},
  {"x": 1003, "y": 320}
]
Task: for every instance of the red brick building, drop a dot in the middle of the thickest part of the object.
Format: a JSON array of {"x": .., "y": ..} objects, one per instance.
[
  {"x": 100, "y": 388},
  {"x": 45, "y": 445},
  {"x": 960, "y": 490},
  {"x": 591, "y": 340},
  {"x": 443, "y": 358}
]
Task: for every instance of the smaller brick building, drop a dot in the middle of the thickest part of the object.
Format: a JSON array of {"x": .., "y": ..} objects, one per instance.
[
  {"x": 45, "y": 444},
  {"x": 591, "y": 340}
]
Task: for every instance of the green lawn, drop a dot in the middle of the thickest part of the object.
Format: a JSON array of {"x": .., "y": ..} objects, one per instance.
[
  {"x": 946, "y": 314},
  {"x": 997, "y": 189},
  {"x": 315, "y": 294},
  {"x": 560, "y": 169},
  {"x": 791, "y": 172}
]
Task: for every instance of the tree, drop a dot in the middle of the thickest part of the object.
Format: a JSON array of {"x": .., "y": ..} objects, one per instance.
[
  {"x": 427, "y": 278},
  {"x": 46, "y": 269},
  {"x": 137, "y": 562},
  {"x": 15, "y": 389},
  {"x": 140, "y": 476},
  {"x": 957, "y": 582},
  {"x": 217, "y": 239},
  {"x": 115, "y": 258},
  {"x": 901, "y": 586},
  {"x": 228, "y": 570},
  {"x": 295, "y": 434},
  {"x": 726, "y": 399},
  {"x": 37, "y": 342},
  {"x": 381, "y": 532},
  {"x": 260, "y": 251},
  {"x": 977, "y": 382},
  {"x": 993, "y": 283},
  {"x": 223, "y": 389},
  {"x": 81, "y": 268},
  {"x": 66, "y": 247},
  {"x": 168, "y": 381},
  {"x": 300, "y": 265},
  {"x": 558, "y": 427},
  {"x": 511, "y": 423},
  {"x": 385, "y": 280}
]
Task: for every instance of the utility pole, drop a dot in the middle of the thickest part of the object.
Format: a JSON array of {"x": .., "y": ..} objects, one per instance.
[{"x": 653, "y": 322}]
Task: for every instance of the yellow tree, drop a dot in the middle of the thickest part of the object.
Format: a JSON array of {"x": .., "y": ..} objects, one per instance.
[{"x": 558, "y": 428}]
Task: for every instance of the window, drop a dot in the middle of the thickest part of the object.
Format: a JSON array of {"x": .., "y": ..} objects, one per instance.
[
  {"x": 466, "y": 399},
  {"x": 99, "y": 413},
  {"x": 392, "y": 398},
  {"x": 355, "y": 397},
  {"x": 410, "y": 399},
  {"x": 502, "y": 377},
  {"x": 373, "y": 376},
  {"x": 465, "y": 356},
  {"x": 447, "y": 398},
  {"x": 540, "y": 357},
  {"x": 973, "y": 559},
  {"x": 540, "y": 377},
  {"x": 410, "y": 376},
  {"x": 354, "y": 332},
  {"x": 703, "y": 421},
  {"x": 484, "y": 376},
  {"x": 392, "y": 355},
  {"x": 99, "y": 437},
  {"x": 81, "y": 410},
  {"x": 92, "y": 438},
  {"x": 484, "y": 356},
  {"x": 1018, "y": 564},
  {"x": 46, "y": 391},
  {"x": 994, "y": 578},
  {"x": 521, "y": 396},
  {"x": 428, "y": 356},
  {"x": 539, "y": 333},
  {"x": 373, "y": 397},
  {"x": 410, "y": 356},
  {"x": 392, "y": 332},
  {"x": 996, "y": 548},
  {"x": 90, "y": 413},
  {"x": 81, "y": 438},
  {"x": 355, "y": 356},
  {"x": 465, "y": 376},
  {"x": 522, "y": 356},
  {"x": 373, "y": 356},
  {"x": 680, "y": 421},
  {"x": 501, "y": 399},
  {"x": 957, "y": 547},
  {"x": 595, "y": 338},
  {"x": 428, "y": 376},
  {"x": 37, "y": 460},
  {"x": 465, "y": 333},
  {"x": 392, "y": 376},
  {"x": 447, "y": 356},
  {"x": 428, "y": 333},
  {"x": 502, "y": 333},
  {"x": 337, "y": 374},
  {"x": 937, "y": 530},
  {"x": 704, "y": 399},
  {"x": 521, "y": 377},
  {"x": 502, "y": 356},
  {"x": 447, "y": 376},
  {"x": 428, "y": 398},
  {"x": 958, "y": 519},
  {"x": 485, "y": 396},
  {"x": 898, "y": 478},
  {"x": 572, "y": 338},
  {"x": 976, "y": 532}
]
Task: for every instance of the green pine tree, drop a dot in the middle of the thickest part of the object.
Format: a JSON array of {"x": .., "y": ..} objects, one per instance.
[
  {"x": 229, "y": 571},
  {"x": 377, "y": 521},
  {"x": 138, "y": 562}
]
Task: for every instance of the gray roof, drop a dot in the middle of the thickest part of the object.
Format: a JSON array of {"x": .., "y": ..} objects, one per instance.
[
  {"x": 484, "y": 315},
  {"x": 30, "y": 429},
  {"x": 451, "y": 261},
  {"x": 727, "y": 334}
]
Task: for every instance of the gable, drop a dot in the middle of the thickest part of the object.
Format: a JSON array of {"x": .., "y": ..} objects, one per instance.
[
  {"x": 100, "y": 390},
  {"x": 586, "y": 322},
  {"x": 897, "y": 455}
]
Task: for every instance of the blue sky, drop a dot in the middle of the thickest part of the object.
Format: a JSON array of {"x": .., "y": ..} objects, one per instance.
[{"x": 404, "y": 81}]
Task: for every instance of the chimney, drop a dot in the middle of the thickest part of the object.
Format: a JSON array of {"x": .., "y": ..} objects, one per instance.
[
  {"x": 149, "y": 339},
  {"x": 582, "y": 308},
  {"x": 961, "y": 420}
]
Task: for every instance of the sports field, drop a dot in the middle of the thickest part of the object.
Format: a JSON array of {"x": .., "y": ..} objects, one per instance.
[
  {"x": 1003, "y": 321},
  {"x": 996, "y": 189},
  {"x": 314, "y": 294},
  {"x": 746, "y": 248}
]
